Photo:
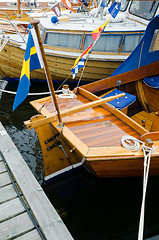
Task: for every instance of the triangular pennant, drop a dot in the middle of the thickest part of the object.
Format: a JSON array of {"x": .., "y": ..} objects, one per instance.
[{"x": 56, "y": 9}]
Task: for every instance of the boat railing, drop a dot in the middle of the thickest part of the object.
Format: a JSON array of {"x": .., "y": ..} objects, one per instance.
[{"x": 9, "y": 21}]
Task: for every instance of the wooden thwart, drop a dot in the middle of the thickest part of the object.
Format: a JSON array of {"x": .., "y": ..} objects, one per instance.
[{"x": 127, "y": 77}]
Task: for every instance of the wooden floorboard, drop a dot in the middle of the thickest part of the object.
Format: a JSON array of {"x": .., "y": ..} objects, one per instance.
[
  {"x": 16, "y": 226},
  {"x": 32, "y": 235},
  {"x": 7, "y": 193},
  {"x": 4, "y": 179},
  {"x": 2, "y": 167},
  {"x": 10, "y": 209}
]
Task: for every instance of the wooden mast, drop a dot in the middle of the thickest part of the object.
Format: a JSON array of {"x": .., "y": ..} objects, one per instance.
[
  {"x": 47, "y": 72},
  {"x": 19, "y": 10}
]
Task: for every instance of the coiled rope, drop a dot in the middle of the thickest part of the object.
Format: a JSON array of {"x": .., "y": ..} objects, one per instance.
[
  {"x": 130, "y": 143},
  {"x": 133, "y": 144}
]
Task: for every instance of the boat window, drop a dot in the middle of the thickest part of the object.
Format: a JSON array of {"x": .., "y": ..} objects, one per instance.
[
  {"x": 130, "y": 42},
  {"x": 11, "y": 4},
  {"x": 106, "y": 42},
  {"x": 63, "y": 40},
  {"x": 144, "y": 9},
  {"x": 155, "y": 41},
  {"x": 124, "y": 4}
]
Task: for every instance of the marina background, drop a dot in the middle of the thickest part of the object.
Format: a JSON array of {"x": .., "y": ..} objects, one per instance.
[{"x": 91, "y": 208}]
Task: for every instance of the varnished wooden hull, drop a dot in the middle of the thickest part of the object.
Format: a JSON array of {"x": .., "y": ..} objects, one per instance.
[
  {"x": 117, "y": 168},
  {"x": 91, "y": 138},
  {"x": 148, "y": 96},
  {"x": 55, "y": 161},
  {"x": 11, "y": 60}
]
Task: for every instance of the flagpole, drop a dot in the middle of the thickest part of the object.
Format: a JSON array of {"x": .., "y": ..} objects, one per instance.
[
  {"x": 47, "y": 72},
  {"x": 18, "y": 10}
]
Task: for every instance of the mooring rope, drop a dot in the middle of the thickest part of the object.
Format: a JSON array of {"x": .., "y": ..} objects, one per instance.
[
  {"x": 147, "y": 158},
  {"x": 133, "y": 144},
  {"x": 32, "y": 94}
]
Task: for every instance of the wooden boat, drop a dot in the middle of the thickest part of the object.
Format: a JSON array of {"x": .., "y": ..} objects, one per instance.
[
  {"x": 10, "y": 7},
  {"x": 88, "y": 131},
  {"x": 65, "y": 41}
]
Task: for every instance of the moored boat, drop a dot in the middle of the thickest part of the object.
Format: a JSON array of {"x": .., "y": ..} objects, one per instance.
[
  {"x": 66, "y": 40},
  {"x": 88, "y": 131}
]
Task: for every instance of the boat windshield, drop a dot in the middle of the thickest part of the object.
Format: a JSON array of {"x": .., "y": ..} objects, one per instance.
[{"x": 144, "y": 9}]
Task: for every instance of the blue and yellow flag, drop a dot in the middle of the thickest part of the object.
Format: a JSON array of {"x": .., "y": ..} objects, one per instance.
[{"x": 32, "y": 61}]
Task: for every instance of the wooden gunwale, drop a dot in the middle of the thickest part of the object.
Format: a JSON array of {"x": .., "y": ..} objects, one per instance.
[{"x": 131, "y": 76}]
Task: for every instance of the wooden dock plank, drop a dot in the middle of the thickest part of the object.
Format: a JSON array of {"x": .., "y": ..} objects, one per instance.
[
  {"x": 10, "y": 209},
  {"x": 2, "y": 167},
  {"x": 33, "y": 235},
  {"x": 48, "y": 219},
  {"x": 7, "y": 193},
  {"x": 16, "y": 226},
  {"x": 4, "y": 179}
]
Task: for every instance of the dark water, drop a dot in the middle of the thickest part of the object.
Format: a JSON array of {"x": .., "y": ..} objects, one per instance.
[{"x": 92, "y": 209}]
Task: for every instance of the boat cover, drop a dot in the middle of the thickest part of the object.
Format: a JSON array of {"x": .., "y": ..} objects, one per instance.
[{"x": 144, "y": 53}]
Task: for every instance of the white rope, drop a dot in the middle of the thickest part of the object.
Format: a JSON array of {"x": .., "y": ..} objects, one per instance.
[
  {"x": 127, "y": 142},
  {"x": 31, "y": 94},
  {"x": 147, "y": 158},
  {"x": 130, "y": 143}
]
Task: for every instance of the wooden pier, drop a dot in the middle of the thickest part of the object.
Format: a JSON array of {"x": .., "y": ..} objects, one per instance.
[{"x": 25, "y": 211}]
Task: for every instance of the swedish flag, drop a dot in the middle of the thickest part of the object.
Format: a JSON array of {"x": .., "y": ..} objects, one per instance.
[{"x": 32, "y": 61}]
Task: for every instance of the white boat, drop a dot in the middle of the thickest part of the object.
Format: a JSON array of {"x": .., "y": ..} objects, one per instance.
[{"x": 65, "y": 40}]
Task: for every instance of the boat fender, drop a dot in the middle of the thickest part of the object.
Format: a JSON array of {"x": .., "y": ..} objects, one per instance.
[{"x": 54, "y": 19}]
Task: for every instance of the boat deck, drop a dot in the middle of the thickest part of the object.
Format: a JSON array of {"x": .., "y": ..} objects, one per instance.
[{"x": 96, "y": 127}]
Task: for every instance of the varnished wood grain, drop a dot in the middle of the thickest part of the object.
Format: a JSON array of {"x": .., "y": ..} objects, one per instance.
[{"x": 134, "y": 75}]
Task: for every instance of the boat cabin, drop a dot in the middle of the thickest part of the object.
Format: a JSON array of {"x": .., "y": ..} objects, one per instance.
[{"x": 121, "y": 35}]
